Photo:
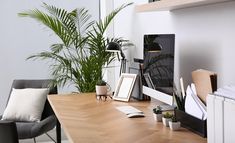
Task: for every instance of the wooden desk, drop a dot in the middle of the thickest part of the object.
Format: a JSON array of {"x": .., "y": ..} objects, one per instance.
[{"x": 86, "y": 120}]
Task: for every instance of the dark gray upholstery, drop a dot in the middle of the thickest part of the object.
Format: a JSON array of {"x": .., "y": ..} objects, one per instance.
[
  {"x": 49, "y": 121},
  {"x": 8, "y": 133}
]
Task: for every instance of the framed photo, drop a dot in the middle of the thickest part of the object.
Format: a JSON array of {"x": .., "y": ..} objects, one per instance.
[
  {"x": 149, "y": 80},
  {"x": 124, "y": 87}
]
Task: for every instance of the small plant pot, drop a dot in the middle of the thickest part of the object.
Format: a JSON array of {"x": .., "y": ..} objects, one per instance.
[
  {"x": 166, "y": 121},
  {"x": 101, "y": 90},
  {"x": 174, "y": 125},
  {"x": 157, "y": 117}
]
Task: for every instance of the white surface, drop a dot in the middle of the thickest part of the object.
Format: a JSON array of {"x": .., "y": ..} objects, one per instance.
[
  {"x": 191, "y": 105},
  {"x": 210, "y": 119},
  {"x": 221, "y": 115},
  {"x": 198, "y": 100},
  {"x": 219, "y": 119},
  {"x": 229, "y": 118},
  {"x": 182, "y": 86},
  {"x": 165, "y": 98},
  {"x": 228, "y": 91},
  {"x": 125, "y": 87}
]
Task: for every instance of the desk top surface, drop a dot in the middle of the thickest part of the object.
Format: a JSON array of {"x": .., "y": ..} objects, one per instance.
[{"x": 85, "y": 119}]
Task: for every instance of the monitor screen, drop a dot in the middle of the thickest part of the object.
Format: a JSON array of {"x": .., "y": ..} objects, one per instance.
[{"x": 159, "y": 65}]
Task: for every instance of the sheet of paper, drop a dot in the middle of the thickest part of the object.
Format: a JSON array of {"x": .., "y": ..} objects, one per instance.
[
  {"x": 200, "y": 104},
  {"x": 191, "y": 107},
  {"x": 182, "y": 86}
]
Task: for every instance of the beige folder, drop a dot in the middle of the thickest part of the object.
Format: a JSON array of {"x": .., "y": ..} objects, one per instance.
[{"x": 205, "y": 82}]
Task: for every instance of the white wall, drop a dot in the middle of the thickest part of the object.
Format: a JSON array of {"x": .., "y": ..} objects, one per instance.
[
  {"x": 204, "y": 36},
  {"x": 21, "y": 37}
]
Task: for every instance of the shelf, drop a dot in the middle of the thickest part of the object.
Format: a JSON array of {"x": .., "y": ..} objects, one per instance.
[{"x": 166, "y": 5}]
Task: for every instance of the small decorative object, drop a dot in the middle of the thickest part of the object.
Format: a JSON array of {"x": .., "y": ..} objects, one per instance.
[
  {"x": 157, "y": 113},
  {"x": 174, "y": 124},
  {"x": 101, "y": 89},
  {"x": 166, "y": 118},
  {"x": 125, "y": 87}
]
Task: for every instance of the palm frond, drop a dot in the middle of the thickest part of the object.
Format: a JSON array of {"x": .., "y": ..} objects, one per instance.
[
  {"x": 81, "y": 54},
  {"x": 51, "y": 22}
]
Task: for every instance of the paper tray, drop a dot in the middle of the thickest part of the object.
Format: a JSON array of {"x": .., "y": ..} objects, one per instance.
[{"x": 193, "y": 124}]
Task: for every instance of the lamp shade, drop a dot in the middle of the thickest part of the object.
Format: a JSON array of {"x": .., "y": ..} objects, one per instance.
[
  {"x": 113, "y": 47},
  {"x": 154, "y": 47}
]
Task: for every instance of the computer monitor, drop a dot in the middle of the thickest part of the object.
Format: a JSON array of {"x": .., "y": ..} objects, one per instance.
[{"x": 159, "y": 66}]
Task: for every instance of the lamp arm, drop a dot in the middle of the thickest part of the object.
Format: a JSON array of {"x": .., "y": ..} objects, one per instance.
[{"x": 122, "y": 54}]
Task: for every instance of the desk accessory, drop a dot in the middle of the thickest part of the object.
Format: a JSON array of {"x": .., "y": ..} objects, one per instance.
[
  {"x": 125, "y": 87},
  {"x": 135, "y": 115},
  {"x": 130, "y": 111},
  {"x": 166, "y": 118},
  {"x": 205, "y": 82},
  {"x": 102, "y": 89},
  {"x": 116, "y": 47},
  {"x": 174, "y": 124},
  {"x": 157, "y": 114},
  {"x": 192, "y": 123}
]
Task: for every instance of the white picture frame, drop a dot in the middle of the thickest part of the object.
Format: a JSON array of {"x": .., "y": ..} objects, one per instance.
[{"x": 124, "y": 87}]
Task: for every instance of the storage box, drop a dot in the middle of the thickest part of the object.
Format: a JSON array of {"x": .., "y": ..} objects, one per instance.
[{"x": 192, "y": 123}]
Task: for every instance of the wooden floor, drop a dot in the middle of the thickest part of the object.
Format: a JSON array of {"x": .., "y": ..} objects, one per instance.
[{"x": 85, "y": 119}]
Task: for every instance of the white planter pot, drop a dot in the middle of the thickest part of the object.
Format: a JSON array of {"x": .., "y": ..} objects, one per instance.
[
  {"x": 174, "y": 125},
  {"x": 157, "y": 117},
  {"x": 101, "y": 90},
  {"x": 166, "y": 121}
]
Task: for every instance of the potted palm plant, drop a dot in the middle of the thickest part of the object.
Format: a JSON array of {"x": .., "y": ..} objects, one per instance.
[
  {"x": 174, "y": 124},
  {"x": 157, "y": 113},
  {"x": 80, "y": 56},
  {"x": 101, "y": 88},
  {"x": 166, "y": 118}
]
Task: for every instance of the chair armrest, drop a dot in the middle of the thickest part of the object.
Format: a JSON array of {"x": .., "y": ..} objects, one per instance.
[
  {"x": 44, "y": 125},
  {"x": 8, "y": 132}
]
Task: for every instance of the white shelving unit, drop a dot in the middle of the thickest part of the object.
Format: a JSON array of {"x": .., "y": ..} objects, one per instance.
[{"x": 168, "y": 5}]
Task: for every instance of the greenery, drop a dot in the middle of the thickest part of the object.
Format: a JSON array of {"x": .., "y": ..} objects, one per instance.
[
  {"x": 81, "y": 54},
  {"x": 101, "y": 83},
  {"x": 174, "y": 118},
  {"x": 168, "y": 115},
  {"x": 157, "y": 110},
  {"x": 180, "y": 100}
]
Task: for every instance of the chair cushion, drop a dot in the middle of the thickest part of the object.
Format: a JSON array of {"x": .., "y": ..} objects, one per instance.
[{"x": 25, "y": 104}]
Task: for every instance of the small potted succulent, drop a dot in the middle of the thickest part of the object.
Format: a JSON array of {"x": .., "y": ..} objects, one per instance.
[
  {"x": 166, "y": 118},
  {"x": 174, "y": 124},
  {"x": 101, "y": 88},
  {"x": 157, "y": 113}
]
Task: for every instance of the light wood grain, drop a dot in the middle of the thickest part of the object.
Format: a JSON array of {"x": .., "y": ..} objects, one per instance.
[
  {"x": 86, "y": 120},
  {"x": 174, "y": 4}
]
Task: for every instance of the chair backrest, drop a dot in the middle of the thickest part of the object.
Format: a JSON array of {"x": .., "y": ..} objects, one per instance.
[
  {"x": 8, "y": 132},
  {"x": 36, "y": 83}
]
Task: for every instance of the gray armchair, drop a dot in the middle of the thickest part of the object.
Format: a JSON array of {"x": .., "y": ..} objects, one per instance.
[
  {"x": 48, "y": 121},
  {"x": 8, "y": 132}
]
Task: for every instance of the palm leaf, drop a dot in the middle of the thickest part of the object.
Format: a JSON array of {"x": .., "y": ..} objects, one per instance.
[{"x": 80, "y": 56}]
